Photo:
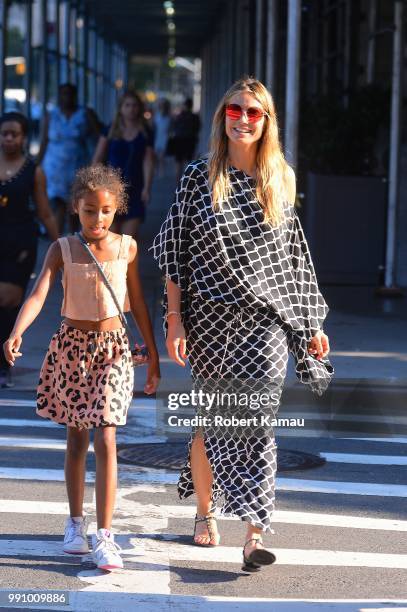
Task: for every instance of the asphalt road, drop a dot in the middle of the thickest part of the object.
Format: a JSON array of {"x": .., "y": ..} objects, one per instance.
[{"x": 340, "y": 529}]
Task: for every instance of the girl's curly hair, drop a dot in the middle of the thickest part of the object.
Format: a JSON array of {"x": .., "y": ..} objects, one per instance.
[{"x": 100, "y": 177}]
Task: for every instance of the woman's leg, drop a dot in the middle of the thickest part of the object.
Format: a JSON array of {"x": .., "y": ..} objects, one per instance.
[
  {"x": 106, "y": 474},
  {"x": 202, "y": 479},
  {"x": 77, "y": 442}
]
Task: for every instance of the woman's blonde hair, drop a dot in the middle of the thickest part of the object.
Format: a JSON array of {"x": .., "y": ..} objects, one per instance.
[
  {"x": 116, "y": 129},
  {"x": 272, "y": 171}
]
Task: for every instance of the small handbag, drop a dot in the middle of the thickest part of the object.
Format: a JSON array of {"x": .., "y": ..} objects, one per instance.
[{"x": 139, "y": 354}]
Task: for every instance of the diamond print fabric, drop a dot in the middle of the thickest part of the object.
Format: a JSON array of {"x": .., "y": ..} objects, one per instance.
[
  {"x": 248, "y": 296},
  {"x": 234, "y": 257}
]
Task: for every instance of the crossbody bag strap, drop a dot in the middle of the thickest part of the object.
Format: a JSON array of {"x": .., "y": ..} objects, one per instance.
[{"x": 110, "y": 288}]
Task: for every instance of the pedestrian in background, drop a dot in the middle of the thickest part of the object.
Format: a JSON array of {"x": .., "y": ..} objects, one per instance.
[
  {"x": 128, "y": 146},
  {"x": 162, "y": 121},
  {"x": 86, "y": 380},
  {"x": 22, "y": 182},
  {"x": 241, "y": 293},
  {"x": 66, "y": 133},
  {"x": 185, "y": 132}
]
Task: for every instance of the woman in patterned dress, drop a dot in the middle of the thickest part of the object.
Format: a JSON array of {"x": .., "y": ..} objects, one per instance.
[{"x": 241, "y": 293}]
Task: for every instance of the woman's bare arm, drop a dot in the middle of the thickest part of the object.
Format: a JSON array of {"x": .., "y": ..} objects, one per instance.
[
  {"x": 176, "y": 340},
  {"x": 35, "y": 301},
  {"x": 101, "y": 150},
  {"x": 44, "y": 211},
  {"x": 43, "y": 139}
]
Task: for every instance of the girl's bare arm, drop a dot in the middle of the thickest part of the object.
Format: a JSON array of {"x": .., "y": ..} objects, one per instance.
[
  {"x": 137, "y": 302},
  {"x": 140, "y": 313},
  {"x": 35, "y": 301}
]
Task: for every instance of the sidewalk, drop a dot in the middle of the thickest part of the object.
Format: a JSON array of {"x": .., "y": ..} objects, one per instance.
[{"x": 368, "y": 335}]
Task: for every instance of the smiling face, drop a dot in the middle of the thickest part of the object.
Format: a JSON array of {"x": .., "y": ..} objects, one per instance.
[
  {"x": 96, "y": 210},
  {"x": 241, "y": 131}
]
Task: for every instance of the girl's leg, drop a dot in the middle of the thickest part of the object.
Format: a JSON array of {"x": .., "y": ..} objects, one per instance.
[
  {"x": 106, "y": 474},
  {"x": 77, "y": 442},
  {"x": 202, "y": 479}
]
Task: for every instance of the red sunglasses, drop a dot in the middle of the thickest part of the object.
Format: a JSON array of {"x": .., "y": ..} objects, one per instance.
[{"x": 235, "y": 111}]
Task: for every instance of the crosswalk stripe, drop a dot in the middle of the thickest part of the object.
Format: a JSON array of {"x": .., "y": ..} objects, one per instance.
[
  {"x": 133, "y": 550},
  {"x": 57, "y": 444},
  {"x": 28, "y": 423},
  {"x": 342, "y": 488},
  {"x": 18, "y": 473},
  {"x": 89, "y": 601},
  {"x": 364, "y": 459},
  {"x": 351, "y": 418},
  {"x": 16, "y": 506},
  {"x": 386, "y": 440},
  {"x": 130, "y": 474},
  {"x": 40, "y": 443}
]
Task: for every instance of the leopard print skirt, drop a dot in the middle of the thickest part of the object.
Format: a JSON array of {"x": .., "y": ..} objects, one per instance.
[{"x": 86, "y": 379}]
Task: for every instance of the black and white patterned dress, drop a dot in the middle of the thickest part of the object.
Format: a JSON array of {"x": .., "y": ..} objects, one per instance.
[{"x": 248, "y": 296}]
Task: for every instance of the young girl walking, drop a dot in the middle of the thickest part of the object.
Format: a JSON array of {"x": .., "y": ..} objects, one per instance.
[{"x": 86, "y": 380}]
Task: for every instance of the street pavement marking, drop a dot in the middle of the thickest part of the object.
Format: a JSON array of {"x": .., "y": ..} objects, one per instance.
[
  {"x": 16, "y": 506},
  {"x": 58, "y": 444},
  {"x": 393, "y": 439},
  {"x": 137, "y": 552},
  {"x": 43, "y": 443},
  {"x": 89, "y": 601},
  {"x": 28, "y": 423},
  {"x": 342, "y": 488},
  {"x": 148, "y": 475},
  {"x": 18, "y": 473},
  {"x": 333, "y": 418},
  {"x": 365, "y": 459}
]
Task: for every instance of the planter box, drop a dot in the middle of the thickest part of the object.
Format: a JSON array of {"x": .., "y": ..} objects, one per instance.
[{"x": 345, "y": 223}]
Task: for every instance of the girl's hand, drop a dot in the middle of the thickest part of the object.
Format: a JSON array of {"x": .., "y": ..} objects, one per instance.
[
  {"x": 11, "y": 348},
  {"x": 145, "y": 195},
  {"x": 153, "y": 376},
  {"x": 176, "y": 341},
  {"x": 319, "y": 345}
]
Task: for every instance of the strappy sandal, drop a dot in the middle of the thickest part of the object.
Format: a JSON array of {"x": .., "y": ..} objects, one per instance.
[
  {"x": 212, "y": 535},
  {"x": 257, "y": 558}
]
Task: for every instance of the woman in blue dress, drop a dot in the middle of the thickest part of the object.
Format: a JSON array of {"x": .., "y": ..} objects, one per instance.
[
  {"x": 128, "y": 145},
  {"x": 64, "y": 149}
]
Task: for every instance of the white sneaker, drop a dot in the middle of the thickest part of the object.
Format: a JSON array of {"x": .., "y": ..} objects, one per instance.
[
  {"x": 75, "y": 540},
  {"x": 106, "y": 553}
]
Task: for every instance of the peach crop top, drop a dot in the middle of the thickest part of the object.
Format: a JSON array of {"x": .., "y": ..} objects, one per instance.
[{"x": 86, "y": 296}]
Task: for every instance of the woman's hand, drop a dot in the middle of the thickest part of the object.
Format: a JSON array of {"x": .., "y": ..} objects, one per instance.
[
  {"x": 319, "y": 345},
  {"x": 153, "y": 376},
  {"x": 176, "y": 341},
  {"x": 11, "y": 348}
]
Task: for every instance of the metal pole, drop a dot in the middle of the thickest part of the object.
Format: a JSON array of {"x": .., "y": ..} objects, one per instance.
[
  {"x": 43, "y": 58},
  {"x": 371, "y": 48},
  {"x": 395, "y": 132},
  {"x": 271, "y": 43},
  {"x": 3, "y": 28},
  {"x": 27, "y": 58},
  {"x": 57, "y": 41},
  {"x": 292, "y": 81},
  {"x": 259, "y": 39}
]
